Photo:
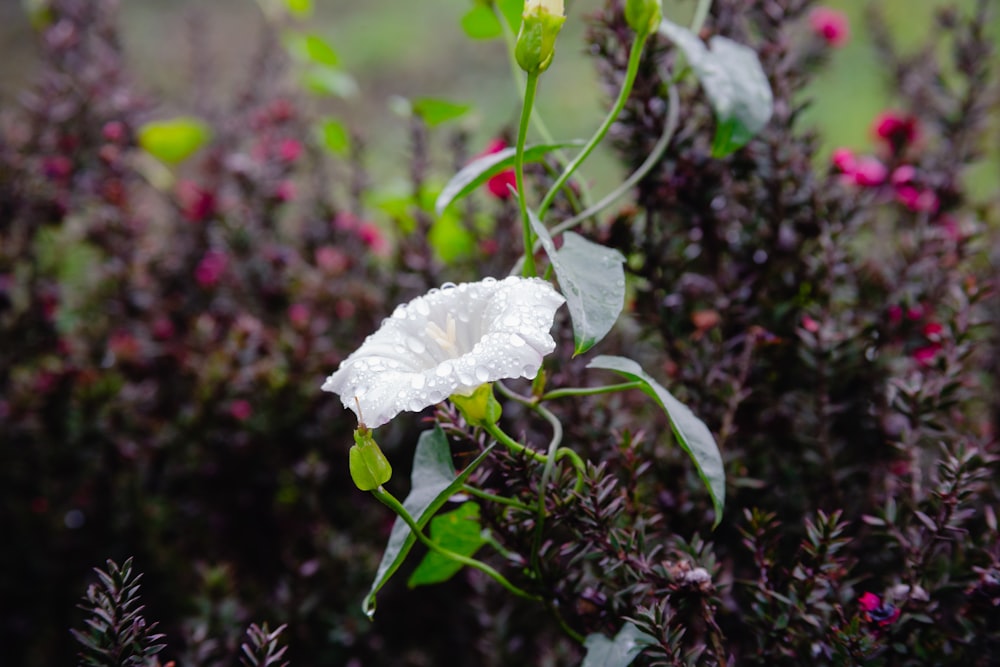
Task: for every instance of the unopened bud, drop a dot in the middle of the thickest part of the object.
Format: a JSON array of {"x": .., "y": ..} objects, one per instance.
[
  {"x": 369, "y": 467},
  {"x": 643, "y": 16},
  {"x": 540, "y": 25}
]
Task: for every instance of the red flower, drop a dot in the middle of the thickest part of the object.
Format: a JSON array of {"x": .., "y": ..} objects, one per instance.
[
  {"x": 875, "y": 611},
  {"x": 210, "y": 268},
  {"x": 500, "y": 184},
  {"x": 926, "y": 355},
  {"x": 844, "y": 161},
  {"x": 869, "y": 172},
  {"x": 830, "y": 25},
  {"x": 289, "y": 150},
  {"x": 895, "y": 129},
  {"x": 197, "y": 204},
  {"x": 372, "y": 236}
]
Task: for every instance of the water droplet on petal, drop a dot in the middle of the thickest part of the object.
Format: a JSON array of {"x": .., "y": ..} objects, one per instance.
[
  {"x": 444, "y": 368},
  {"x": 448, "y": 286},
  {"x": 482, "y": 373},
  {"x": 416, "y": 345},
  {"x": 418, "y": 381}
]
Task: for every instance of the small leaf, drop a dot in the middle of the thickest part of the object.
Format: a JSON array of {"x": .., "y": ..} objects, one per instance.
[
  {"x": 321, "y": 80},
  {"x": 511, "y": 10},
  {"x": 299, "y": 8},
  {"x": 734, "y": 82},
  {"x": 334, "y": 136},
  {"x": 175, "y": 140},
  {"x": 691, "y": 433},
  {"x": 311, "y": 48},
  {"x": 432, "y": 482},
  {"x": 435, "y": 111},
  {"x": 450, "y": 239},
  {"x": 457, "y": 531},
  {"x": 477, "y": 172},
  {"x": 619, "y": 652},
  {"x": 481, "y": 23},
  {"x": 592, "y": 278}
]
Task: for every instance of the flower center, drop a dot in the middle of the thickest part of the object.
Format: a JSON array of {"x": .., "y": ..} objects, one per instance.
[{"x": 445, "y": 338}]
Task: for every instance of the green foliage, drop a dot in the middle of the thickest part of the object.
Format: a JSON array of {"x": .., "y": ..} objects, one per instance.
[
  {"x": 175, "y": 140},
  {"x": 457, "y": 531}
]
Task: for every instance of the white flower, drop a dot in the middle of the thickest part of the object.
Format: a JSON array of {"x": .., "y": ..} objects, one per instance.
[{"x": 448, "y": 341}]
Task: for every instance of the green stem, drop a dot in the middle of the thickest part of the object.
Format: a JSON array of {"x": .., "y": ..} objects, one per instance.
[
  {"x": 530, "y": 86},
  {"x": 502, "y": 500},
  {"x": 673, "y": 114},
  {"x": 512, "y": 444},
  {"x": 390, "y": 501},
  {"x": 578, "y": 465},
  {"x": 634, "y": 56},
  {"x": 590, "y": 391}
]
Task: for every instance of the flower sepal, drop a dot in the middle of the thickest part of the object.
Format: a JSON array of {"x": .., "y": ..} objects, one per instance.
[
  {"x": 480, "y": 408},
  {"x": 643, "y": 16},
  {"x": 369, "y": 467},
  {"x": 536, "y": 42}
]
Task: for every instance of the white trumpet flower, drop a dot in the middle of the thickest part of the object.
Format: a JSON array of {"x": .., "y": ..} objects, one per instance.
[{"x": 448, "y": 341}]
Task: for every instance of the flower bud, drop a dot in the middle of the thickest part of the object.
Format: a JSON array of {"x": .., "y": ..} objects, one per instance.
[
  {"x": 480, "y": 407},
  {"x": 643, "y": 16},
  {"x": 540, "y": 25},
  {"x": 369, "y": 467}
]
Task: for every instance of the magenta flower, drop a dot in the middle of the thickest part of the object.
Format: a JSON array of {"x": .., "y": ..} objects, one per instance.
[
  {"x": 240, "y": 409},
  {"x": 500, "y": 184},
  {"x": 895, "y": 129},
  {"x": 210, "y": 268},
  {"x": 876, "y": 611},
  {"x": 830, "y": 25}
]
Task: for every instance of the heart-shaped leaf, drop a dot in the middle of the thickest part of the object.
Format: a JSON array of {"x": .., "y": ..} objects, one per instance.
[
  {"x": 691, "y": 433},
  {"x": 592, "y": 278},
  {"x": 734, "y": 82},
  {"x": 617, "y": 652},
  {"x": 432, "y": 481},
  {"x": 435, "y": 111},
  {"x": 458, "y": 531},
  {"x": 477, "y": 172},
  {"x": 175, "y": 140}
]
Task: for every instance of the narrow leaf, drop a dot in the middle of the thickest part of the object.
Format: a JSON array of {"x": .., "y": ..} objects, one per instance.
[
  {"x": 457, "y": 531},
  {"x": 734, "y": 82},
  {"x": 592, "y": 278},
  {"x": 334, "y": 136},
  {"x": 477, "y": 172},
  {"x": 175, "y": 140},
  {"x": 299, "y": 8},
  {"x": 311, "y": 48},
  {"x": 433, "y": 480},
  {"x": 619, "y": 652},
  {"x": 691, "y": 433},
  {"x": 511, "y": 10}
]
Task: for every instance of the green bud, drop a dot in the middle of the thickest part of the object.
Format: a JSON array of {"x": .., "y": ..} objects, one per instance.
[
  {"x": 369, "y": 467},
  {"x": 480, "y": 407},
  {"x": 536, "y": 43},
  {"x": 643, "y": 16}
]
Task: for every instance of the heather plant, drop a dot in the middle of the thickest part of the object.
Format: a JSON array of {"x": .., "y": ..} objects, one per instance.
[{"x": 815, "y": 486}]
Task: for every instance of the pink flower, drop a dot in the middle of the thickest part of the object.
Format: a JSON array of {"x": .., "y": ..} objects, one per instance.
[
  {"x": 285, "y": 191},
  {"x": 499, "y": 184},
  {"x": 903, "y": 175},
  {"x": 916, "y": 199},
  {"x": 844, "y": 161},
  {"x": 869, "y": 172},
  {"x": 830, "y": 25},
  {"x": 197, "y": 204},
  {"x": 57, "y": 167},
  {"x": 876, "y": 611},
  {"x": 933, "y": 331},
  {"x": 895, "y": 313},
  {"x": 210, "y": 268},
  {"x": 240, "y": 409},
  {"x": 289, "y": 150},
  {"x": 895, "y": 129},
  {"x": 163, "y": 328},
  {"x": 298, "y": 314},
  {"x": 331, "y": 260},
  {"x": 926, "y": 355},
  {"x": 372, "y": 236},
  {"x": 809, "y": 324}
]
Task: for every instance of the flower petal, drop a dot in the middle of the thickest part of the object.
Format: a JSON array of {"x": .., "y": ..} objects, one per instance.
[{"x": 448, "y": 341}]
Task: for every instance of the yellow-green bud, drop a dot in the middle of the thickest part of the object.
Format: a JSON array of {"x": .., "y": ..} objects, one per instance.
[
  {"x": 369, "y": 467},
  {"x": 480, "y": 407},
  {"x": 643, "y": 16},
  {"x": 540, "y": 25}
]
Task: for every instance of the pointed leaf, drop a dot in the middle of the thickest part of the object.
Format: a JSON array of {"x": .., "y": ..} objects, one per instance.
[
  {"x": 511, "y": 10},
  {"x": 311, "y": 48},
  {"x": 433, "y": 480},
  {"x": 619, "y": 652},
  {"x": 477, "y": 172},
  {"x": 334, "y": 136},
  {"x": 592, "y": 278},
  {"x": 481, "y": 23},
  {"x": 457, "y": 531},
  {"x": 691, "y": 433},
  {"x": 326, "y": 80},
  {"x": 175, "y": 140},
  {"x": 299, "y": 8},
  {"x": 435, "y": 111},
  {"x": 734, "y": 82}
]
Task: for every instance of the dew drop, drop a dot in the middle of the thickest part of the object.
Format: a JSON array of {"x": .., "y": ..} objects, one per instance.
[
  {"x": 417, "y": 403},
  {"x": 418, "y": 381},
  {"x": 444, "y": 368},
  {"x": 448, "y": 286},
  {"x": 421, "y": 307},
  {"x": 516, "y": 341},
  {"x": 416, "y": 345},
  {"x": 482, "y": 373},
  {"x": 488, "y": 280}
]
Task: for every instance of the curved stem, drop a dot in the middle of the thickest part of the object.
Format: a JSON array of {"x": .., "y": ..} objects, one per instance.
[
  {"x": 673, "y": 113},
  {"x": 530, "y": 86},
  {"x": 634, "y": 57},
  {"x": 512, "y": 444},
  {"x": 390, "y": 501},
  {"x": 578, "y": 465},
  {"x": 590, "y": 391},
  {"x": 502, "y": 500}
]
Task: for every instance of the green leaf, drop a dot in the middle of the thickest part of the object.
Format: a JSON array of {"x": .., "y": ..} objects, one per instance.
[
  {"x": 334, "y": 136},
  {"x": 734, "y": 82},
  {"x": 175, "y": 140},
  {"x": 481, "y": 23},
  {"x": 299, "y": 8},
  {"x": 457, "y": 531},
  {"x": 691, "y": 433},
  {"x": 321, "y": 80},
  {"x": 311, "y": 48},
  {"x": 619, "y": 652},
  {"x": 450, "y": 239},
  {"x": 432, "y": 482},
  {"x": 436, "y": 111},
  {"x": 477, "y": 172},
  {"x": 592, "y": 278},
  {"x": 512, "y": 10}
]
